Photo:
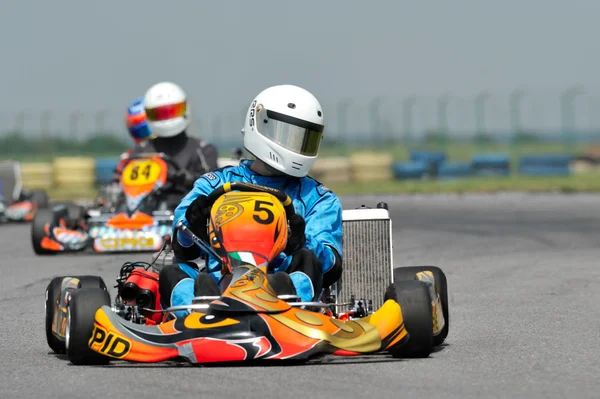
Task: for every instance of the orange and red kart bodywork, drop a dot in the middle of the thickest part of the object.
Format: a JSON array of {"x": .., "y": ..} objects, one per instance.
[{"x": 248, "y": 322}]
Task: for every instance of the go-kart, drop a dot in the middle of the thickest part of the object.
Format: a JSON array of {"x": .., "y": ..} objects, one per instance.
[
  {"x": 249, "y": 321},
  {"x": 16, "y": 203},
  {"x": 136, "y": 221}
]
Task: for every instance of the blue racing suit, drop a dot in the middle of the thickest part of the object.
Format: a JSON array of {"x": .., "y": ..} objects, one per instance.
[{"x": 320, "y": 208}]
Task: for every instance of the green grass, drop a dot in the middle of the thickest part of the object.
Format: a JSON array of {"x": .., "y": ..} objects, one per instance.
[
  {"x": 457, "y": 152},
  {"x": 587, "y": 182}
]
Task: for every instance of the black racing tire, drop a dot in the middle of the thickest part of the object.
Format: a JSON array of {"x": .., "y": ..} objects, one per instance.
[
  {"x": 89, "y": 281},
  {"x": 40, "y": 197},
  {"x": 414, "y": 301},
  {"x": 81, "y": 312},
  {"x": 41, "y": 218},
  {"x": 52, "y": 293},
  {"x": 409, "y": 273}
]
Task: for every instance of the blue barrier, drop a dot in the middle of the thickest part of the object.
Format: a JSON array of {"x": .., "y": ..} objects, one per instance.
[
  {"x": 541, "y": 170},
  {"x": 488, "y": 165},
  {"x": 545, "y": 164},
  {"x": 490, "y": 161},
  {"x": 546, "y": 160},
  {"x": 451, "y": 170},
  {"x": 410, "y": 170},
  {"x": 492, "y": 172},
  {"x": 430, "y": 157},
  {"x": 105, "y": 168}
]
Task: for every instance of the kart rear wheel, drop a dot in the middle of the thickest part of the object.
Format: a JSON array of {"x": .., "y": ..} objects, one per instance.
[
  {"x": 52, "y": 293},
  {"x": 409, "y": 273},
  {"x": 40, "y": 198},
  {"x": 413, "y": 298},
  {"x": 81, "y": 312},
  {"x": 41, "y": 218}
]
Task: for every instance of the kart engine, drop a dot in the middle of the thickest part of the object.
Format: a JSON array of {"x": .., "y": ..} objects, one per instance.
[{"x": 138, "y": 297}]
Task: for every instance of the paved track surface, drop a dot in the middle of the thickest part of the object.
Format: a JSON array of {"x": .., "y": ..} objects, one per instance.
[{"x": 524, "y": 278}]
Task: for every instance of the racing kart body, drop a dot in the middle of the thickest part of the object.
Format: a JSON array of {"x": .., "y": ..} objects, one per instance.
[
  {"x": 135, "y": 220},
  {"x": 17, "y": 204},
  {"x": 249, "y": 321}
]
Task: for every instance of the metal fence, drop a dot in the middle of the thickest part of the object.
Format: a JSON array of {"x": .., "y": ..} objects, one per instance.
[{"x": 485, "y": 121}]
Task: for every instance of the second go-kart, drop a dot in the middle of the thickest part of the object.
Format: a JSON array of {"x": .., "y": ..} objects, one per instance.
[
  {"x": 136, "y": 221},
  {"x": 249, "y": 321}
]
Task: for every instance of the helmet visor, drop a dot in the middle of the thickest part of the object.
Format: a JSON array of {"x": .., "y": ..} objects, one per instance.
[
  {"x": 166, "y": 112},
  {"x": 296, "y": 135}
]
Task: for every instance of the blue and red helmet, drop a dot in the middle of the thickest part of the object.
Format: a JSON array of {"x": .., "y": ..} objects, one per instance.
[{"x": 136, "y": 121}]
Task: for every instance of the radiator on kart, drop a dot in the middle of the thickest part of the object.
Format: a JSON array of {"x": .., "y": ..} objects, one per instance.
[{"x": 367, "y": 256}]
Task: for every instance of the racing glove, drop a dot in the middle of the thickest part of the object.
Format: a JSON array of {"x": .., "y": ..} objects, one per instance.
[
  {"x": 297, "y": 237},
  {"x": 197, "y": 215}
]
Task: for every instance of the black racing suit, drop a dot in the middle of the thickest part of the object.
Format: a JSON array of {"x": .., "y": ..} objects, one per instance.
[{"x": 193, "y": 157}]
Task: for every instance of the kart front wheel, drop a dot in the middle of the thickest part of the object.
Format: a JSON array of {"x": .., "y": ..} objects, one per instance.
[
  {"x": 38, "y": 229},
  {"x": 52, "y": 293},
  {"x": 441, "y": 287},
  {"x": 414, "y": 301},
  {"x": 81, "y": 312}
]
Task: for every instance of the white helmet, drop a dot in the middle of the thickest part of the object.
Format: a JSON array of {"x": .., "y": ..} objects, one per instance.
[
  {"x": 284, "y": 128},
  {"x": 166, "y": 109}
]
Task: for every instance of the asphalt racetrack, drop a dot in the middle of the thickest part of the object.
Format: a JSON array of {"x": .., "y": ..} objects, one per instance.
[{"x": 524, "y": 281}]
